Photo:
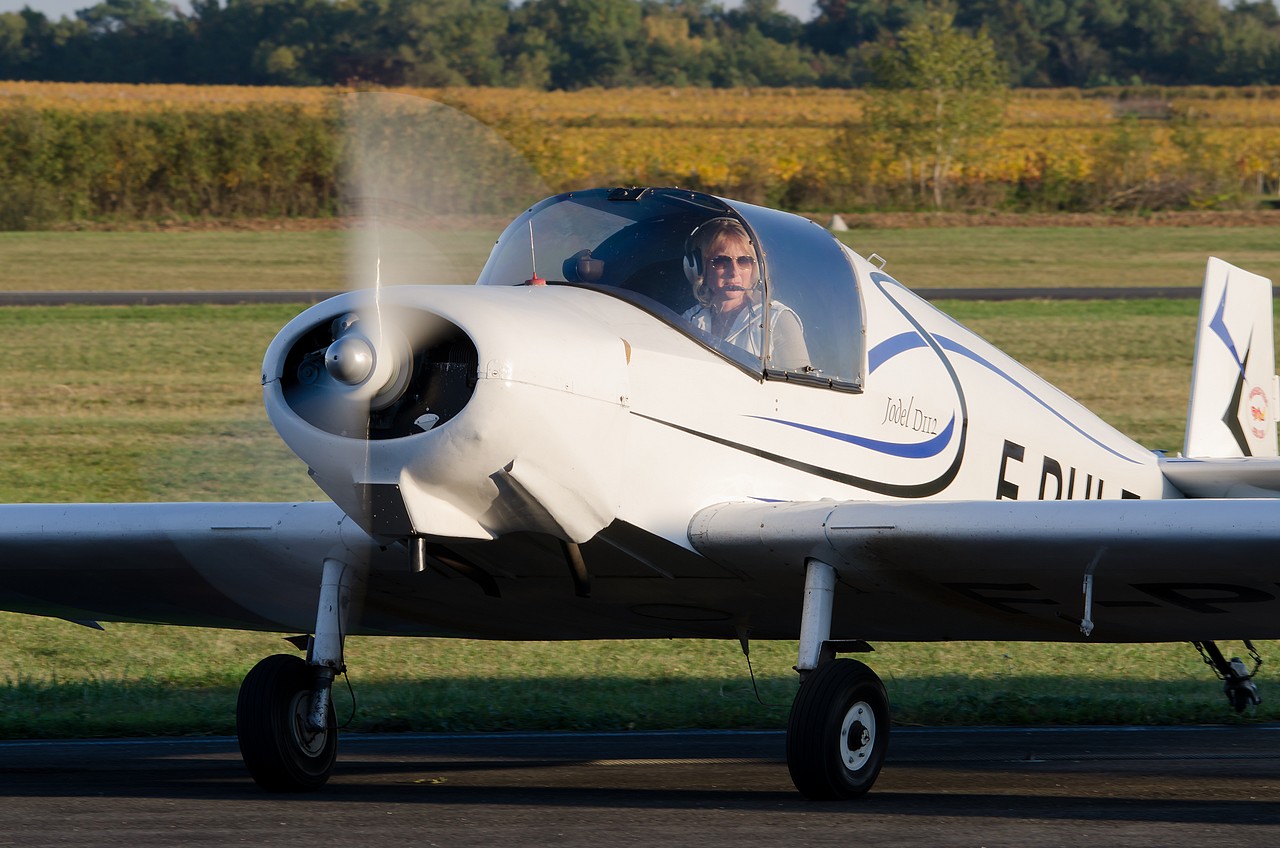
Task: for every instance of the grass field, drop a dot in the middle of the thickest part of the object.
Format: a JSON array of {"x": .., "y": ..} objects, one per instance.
[
  {"x": 240, "y": 260},
  {"x": 66, "y": 680},
  {"x": 163, "y": 403},
  {"x": 985, "y": 257}
]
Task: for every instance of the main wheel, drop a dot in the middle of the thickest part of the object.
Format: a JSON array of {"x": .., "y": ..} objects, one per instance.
[
  {"x": 281, "y": 752},
  {"x": 838, "y": 733}
]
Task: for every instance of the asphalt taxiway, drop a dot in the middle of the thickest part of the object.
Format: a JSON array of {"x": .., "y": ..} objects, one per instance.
[{"x": 1044, "y": 787}]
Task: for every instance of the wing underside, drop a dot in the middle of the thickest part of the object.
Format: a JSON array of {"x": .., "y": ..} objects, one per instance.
[
  {"x": 258, "y": 566},
  {"x": 1046, "y": 570},
  {"x": 246, "y": 566}
]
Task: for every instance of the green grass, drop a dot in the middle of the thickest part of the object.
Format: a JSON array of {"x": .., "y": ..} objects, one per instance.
[
  {"x": 1013, "y": 257},
  {"x": 66, "y": 680},
  {"x": 220, "y": 260},
  {"x": 163, "y": 403},
  {"x": 149, "y": 261},
  {"x": 924, "y": 258},
  {"x": 158, "y": 403}
]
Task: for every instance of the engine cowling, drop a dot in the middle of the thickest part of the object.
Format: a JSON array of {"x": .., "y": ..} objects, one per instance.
[{"x": 458, "y": 412}]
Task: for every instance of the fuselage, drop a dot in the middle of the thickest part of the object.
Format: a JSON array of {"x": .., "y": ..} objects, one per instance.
[
  {"x": 592, "y": 414},
  {"x": 588, "y": 409}
]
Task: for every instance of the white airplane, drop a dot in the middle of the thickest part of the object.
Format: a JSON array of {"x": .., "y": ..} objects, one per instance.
[{"x": 565, "y": 450}]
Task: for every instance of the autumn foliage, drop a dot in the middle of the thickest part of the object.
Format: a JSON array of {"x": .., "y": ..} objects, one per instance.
[{"x": 118, "y": 152}]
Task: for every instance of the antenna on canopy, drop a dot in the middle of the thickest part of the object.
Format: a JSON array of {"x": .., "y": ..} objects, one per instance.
[{"x": 535, "y": 280}]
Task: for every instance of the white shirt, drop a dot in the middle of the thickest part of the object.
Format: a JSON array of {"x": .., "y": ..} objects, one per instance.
[{"x": 747, "y": 331}]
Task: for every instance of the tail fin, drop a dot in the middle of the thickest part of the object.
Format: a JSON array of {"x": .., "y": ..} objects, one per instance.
[{"x": 1233, "y": 384}]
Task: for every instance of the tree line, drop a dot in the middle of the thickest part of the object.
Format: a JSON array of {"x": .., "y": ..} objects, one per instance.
[{"x": 571, "y": 44}]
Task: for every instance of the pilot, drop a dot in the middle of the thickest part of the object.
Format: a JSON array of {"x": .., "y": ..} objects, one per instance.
[{"x": 721, "y": 264}]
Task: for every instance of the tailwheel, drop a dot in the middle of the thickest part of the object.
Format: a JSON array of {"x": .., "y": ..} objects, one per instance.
[
  {"x": 282, "y": 752},
  {"x": 838, "y": 733}
]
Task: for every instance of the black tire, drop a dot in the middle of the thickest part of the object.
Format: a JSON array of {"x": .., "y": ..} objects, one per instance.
[
  {"x": 840, "y": 700},
  {"x": 1240, "y": 697},
  {"x": 280, "y": 752}
]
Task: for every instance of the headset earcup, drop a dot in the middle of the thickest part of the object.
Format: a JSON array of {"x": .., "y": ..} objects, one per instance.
[{"x": 693, "y": 266}]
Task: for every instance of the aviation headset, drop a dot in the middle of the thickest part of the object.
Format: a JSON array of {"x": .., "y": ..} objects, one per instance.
[{"x": 694, "y": 262}]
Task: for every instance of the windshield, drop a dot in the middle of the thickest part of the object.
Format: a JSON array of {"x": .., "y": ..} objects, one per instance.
[{"x": 773, "y": 292}]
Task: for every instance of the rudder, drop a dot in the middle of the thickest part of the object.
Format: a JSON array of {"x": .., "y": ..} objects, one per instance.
[{"x": 1233, "y": 382}]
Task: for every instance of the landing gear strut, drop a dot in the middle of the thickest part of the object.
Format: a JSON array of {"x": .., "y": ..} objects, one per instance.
[
  {"x": 1237, "y": 679},
  {"x": 284, "y": 716},
  {"x": 838, "y": 732}
]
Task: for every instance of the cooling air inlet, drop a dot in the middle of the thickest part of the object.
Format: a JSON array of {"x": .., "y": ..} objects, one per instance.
[{"x": 381, "y": 379}]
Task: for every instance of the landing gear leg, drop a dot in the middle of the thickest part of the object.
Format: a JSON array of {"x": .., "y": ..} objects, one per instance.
[
  {"x": 1237, "y": 679},
  {"x": 284, "y": 716},
  {"x": 838, "y": 732}
]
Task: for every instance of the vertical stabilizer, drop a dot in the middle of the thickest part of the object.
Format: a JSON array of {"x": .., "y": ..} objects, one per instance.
[{"x": 1233, "y": 386}]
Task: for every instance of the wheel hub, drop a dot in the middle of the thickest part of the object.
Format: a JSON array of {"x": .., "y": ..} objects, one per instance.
[
  {"x": 857, "y": 736},
  {"x": 310, "y": 742}
]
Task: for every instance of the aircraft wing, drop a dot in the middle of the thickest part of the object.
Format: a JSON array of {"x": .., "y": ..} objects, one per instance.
[
  {"x": 1167, "y": 570},
  {"x": 1128, "y": 570},
  {"x": 241, "y": 565}
]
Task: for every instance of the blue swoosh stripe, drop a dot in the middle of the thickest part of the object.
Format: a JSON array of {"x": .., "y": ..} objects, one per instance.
[
  {"x": 919, "y": 450},
  {"x": 956, "y": 347},
  {"x": 1219, "y": 327},
  {"x": 891, "y": 347},
  {"x": 904, "y": 342}
]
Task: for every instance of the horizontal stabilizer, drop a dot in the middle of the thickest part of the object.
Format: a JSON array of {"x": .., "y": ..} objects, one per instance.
[{"x": 1238, "y": 477}]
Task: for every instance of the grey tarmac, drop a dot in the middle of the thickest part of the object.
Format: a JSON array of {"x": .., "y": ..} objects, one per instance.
[{"x": 941, "y": 787}]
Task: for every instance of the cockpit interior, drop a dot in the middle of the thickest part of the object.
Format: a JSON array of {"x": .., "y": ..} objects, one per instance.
[{"x": 639, "y": 244}]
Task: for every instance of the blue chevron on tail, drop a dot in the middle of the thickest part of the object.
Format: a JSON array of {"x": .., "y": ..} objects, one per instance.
[{"x": 1232, "y": 412}]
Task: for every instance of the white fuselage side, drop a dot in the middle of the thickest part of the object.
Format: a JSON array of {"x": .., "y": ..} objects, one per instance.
[
  {"x": 943, "y": 415},
  {"x": 587, "y": 409}
]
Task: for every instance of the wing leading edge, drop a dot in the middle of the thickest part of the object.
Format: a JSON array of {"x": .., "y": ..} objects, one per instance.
[
  {"x": 241, "y": 565},
  {"x": 1120, "y": 571}
]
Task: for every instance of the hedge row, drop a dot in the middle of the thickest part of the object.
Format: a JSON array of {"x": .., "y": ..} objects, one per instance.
[
  {"x": 65, "y": 165},
  {"x": 179, "y": 158}
]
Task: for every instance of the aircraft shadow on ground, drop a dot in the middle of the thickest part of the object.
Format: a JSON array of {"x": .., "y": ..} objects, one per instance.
[{"x": 1106, "y": 780}]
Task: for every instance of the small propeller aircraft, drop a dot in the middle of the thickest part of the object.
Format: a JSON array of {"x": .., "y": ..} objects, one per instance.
[{"x": 590, "y": 443}]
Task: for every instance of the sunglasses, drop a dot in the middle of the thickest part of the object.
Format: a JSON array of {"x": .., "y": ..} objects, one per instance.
[{"x": 723, "y": 262}]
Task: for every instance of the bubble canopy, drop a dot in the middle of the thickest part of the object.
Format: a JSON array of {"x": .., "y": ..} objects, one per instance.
[{"x": 796, "y": 314}]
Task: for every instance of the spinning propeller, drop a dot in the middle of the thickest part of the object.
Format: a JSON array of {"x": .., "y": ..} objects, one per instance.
[{"x": 419, "y": 182}]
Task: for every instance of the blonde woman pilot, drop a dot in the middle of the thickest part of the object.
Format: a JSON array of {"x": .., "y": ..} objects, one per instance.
[{"x": 722, "y": 267}]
